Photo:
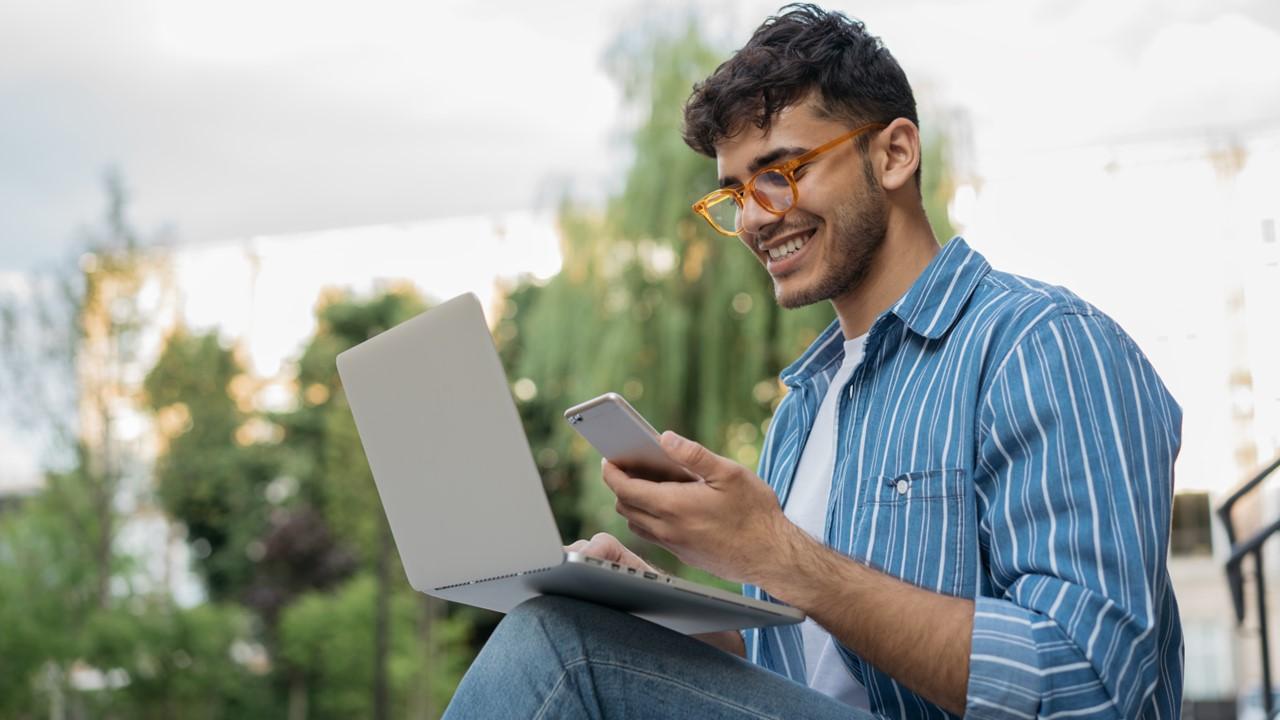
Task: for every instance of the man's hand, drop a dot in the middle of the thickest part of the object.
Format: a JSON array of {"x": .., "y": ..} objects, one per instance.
[
  {"x": 604, "y": 546},
  {"x": 608, "y": 548},
  {"x": 729, "y": 523},
  {"x": 726, "y": 522}
]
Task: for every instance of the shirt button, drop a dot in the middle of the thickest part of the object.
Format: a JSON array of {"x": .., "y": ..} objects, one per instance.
[{"x": 903, "y": 487}]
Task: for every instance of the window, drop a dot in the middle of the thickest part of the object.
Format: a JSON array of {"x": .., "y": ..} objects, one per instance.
[{"x": 1191, "y": 525}]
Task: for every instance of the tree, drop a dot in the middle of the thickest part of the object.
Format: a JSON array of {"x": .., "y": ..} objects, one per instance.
[
  {"x": 198, "y": 662},
  {"x": 209, "y": 475},
  {"x": 650, "y": 302},
  {"x": 325, "y": 453},
  {"x": 68, "y": 356},
  {"x": 74, "y": 608},
  {"x": 653, "y": 304},
  {"x": 326, "y": 636},
  {"x": 47, "y": 596},
  {"x": 281, "y": 510}
]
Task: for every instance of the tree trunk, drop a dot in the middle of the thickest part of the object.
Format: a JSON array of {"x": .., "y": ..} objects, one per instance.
[
  {"x": 297, "y": 696},
  {"x": 381, "y": 704},
  {"x": 424, "y": 697},
  {"x": 104, "y": 496}
]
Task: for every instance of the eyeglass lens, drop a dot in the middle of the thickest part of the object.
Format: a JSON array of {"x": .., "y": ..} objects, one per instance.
[{"x": 771, "y": 190}]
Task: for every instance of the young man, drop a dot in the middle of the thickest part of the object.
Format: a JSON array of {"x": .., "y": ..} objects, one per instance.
[{"x": 967, "y": 487}]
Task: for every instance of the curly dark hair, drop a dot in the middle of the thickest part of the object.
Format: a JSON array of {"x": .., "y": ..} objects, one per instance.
[{"x": 804, "y": 48}]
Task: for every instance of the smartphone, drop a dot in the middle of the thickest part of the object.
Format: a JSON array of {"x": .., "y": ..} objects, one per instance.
[{"x": 622, "y": 435}]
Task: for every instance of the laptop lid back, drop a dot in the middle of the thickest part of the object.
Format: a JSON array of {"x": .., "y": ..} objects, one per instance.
[{"x": 447, "y": 450}]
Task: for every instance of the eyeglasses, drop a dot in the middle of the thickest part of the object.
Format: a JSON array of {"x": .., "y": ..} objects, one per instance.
[{"x": 773, "y": 188}]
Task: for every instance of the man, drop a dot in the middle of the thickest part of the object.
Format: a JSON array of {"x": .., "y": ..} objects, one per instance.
[{"x": 967, "y": 487}]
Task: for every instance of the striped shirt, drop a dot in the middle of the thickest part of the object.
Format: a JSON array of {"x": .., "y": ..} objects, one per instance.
[{"x": 1005, "y": 441}]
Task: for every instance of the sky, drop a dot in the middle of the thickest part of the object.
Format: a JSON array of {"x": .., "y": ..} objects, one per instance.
[{"x": 238, "y": 119}]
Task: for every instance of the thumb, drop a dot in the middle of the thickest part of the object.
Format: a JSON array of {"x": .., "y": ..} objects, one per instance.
[{"x": 693, "y": 456}]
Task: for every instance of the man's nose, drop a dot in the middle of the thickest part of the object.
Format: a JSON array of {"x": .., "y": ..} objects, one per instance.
[{"x": 755, "y": 220}]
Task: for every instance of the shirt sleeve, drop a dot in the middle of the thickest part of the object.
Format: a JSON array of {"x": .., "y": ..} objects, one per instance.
[{"x": 1077, "y": 440}]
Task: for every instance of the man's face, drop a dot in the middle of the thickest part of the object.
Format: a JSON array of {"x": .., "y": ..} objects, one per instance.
[{"x": 839, "y": 222}]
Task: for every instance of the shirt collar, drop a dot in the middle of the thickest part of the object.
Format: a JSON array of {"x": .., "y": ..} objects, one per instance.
[
  {"x": 929, "y": 307},
  {"x": 933, "y": 302},
  {"x": 821, "y": 353}
]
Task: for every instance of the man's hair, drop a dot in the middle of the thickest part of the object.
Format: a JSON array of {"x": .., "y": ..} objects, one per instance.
[{"x": 802, "y": 50}]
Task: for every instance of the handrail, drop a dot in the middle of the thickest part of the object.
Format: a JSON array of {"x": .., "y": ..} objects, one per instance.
[
  {"x": 1252, "y": 546},
  {"x": 1224, "y": 510}
]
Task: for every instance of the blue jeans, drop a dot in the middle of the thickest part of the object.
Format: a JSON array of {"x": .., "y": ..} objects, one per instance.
[{"x": 553, "y": 657}]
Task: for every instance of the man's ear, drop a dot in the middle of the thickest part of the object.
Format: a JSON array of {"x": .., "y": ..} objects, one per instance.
[{"x": 898, "y": 153}]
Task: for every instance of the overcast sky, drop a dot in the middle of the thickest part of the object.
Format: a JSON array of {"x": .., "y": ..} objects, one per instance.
[{"x": 239, "y": 118}]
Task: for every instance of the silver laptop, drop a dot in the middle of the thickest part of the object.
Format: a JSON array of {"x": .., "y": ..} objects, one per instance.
[{"x": 463, "y": 497}]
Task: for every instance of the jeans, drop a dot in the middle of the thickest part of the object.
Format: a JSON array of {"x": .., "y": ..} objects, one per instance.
[{"x": 553, "y": 657}]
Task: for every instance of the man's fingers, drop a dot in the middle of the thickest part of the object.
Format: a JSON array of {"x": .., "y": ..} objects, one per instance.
[
  {"x": 643, "y": 495},
  {"x": 630, "y": 511},
  {"x": 607, "y": 547},
  {"x": 601, "y": 545},
  {"x": 693, "y": 456},
  {"x": 640, "y": 530}
]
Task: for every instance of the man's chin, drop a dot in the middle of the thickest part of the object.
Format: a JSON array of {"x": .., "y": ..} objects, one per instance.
[{"x": 794, "y": 298}]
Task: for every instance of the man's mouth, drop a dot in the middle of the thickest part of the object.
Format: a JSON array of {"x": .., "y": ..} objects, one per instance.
[{"x": 791, "y": 246}]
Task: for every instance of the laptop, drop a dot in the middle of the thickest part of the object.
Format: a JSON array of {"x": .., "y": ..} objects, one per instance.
[{"x": 462, "y": 494}]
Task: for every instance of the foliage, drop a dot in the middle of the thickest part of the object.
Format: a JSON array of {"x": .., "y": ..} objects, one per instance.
[
  {"x": 46, "y": 592},
  {"x": 61, "y": 572},
  {"x": 308, "y": 610},
  {"x": 206, "y": 478},
  {"x": 650, "y": 303},
  {"x": 320, "y": 443},
  {"x": 653, "y": 304},
  {"x": 336, "y": 662},
  {"x": 167, "y": 657},
  {"x": 194, "y": 663}
]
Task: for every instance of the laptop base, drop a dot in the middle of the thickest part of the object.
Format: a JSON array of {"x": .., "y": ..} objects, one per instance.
[{"x": 697, "y": 610}]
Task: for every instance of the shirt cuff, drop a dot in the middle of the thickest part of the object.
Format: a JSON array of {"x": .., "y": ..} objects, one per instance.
[{"x": 1005, "y": 678}]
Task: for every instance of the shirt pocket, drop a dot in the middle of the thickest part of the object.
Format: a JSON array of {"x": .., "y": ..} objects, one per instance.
[{"x": 912, "y": 526}]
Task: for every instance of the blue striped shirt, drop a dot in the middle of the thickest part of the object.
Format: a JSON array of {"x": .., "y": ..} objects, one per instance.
[{"x": 1005, "y": 441}]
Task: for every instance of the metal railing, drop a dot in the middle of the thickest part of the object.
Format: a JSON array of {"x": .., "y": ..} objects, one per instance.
[{"x": 1240, "y": 549}]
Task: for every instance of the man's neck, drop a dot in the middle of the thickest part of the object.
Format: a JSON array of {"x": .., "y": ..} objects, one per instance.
[{"x": 908, "y": 248}]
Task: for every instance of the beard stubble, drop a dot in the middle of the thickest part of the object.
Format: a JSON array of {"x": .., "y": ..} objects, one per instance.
[{"x": 856, "y": 233}]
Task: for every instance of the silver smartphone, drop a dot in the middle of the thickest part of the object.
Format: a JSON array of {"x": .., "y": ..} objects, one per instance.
[{"x": 622, "y": 435}]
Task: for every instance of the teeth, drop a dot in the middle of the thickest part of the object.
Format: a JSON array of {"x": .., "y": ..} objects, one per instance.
[{"x": 786, "y": 249}]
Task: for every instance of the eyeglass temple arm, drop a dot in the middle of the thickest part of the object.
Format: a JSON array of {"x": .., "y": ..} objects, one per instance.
[{"x": 798, "y": 161}]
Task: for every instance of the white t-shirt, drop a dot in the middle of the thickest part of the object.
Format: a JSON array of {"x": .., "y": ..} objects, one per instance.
[{"x": 807, "y": 508}]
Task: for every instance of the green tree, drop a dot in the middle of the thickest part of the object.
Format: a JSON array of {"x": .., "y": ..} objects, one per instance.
[
  {"x": 47, "y": 597},
  {"x": 653, "y": 304},
  {"x": 335, "y": 661},
  {"x": 281, "y": 509},
  {"x": 67, "y": 356},
  {"x": 205, "y": 478},
  {"x": 325, "y": 454},
  {"x": 70, "y": 603},
  {"x": 650, "y": 302},
  {"x": 180, "y": 662},
  {"x": 222, "y": 474}
]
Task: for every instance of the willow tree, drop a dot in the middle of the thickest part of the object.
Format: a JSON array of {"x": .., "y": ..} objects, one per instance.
[{"x": 652, "y": 303}]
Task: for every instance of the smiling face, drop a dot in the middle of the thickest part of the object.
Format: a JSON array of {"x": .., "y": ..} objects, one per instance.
[{"x": 824, "y": 246}]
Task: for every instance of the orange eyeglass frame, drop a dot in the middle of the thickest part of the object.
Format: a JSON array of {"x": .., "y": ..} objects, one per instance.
[{"x": 739, "y": 194}]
